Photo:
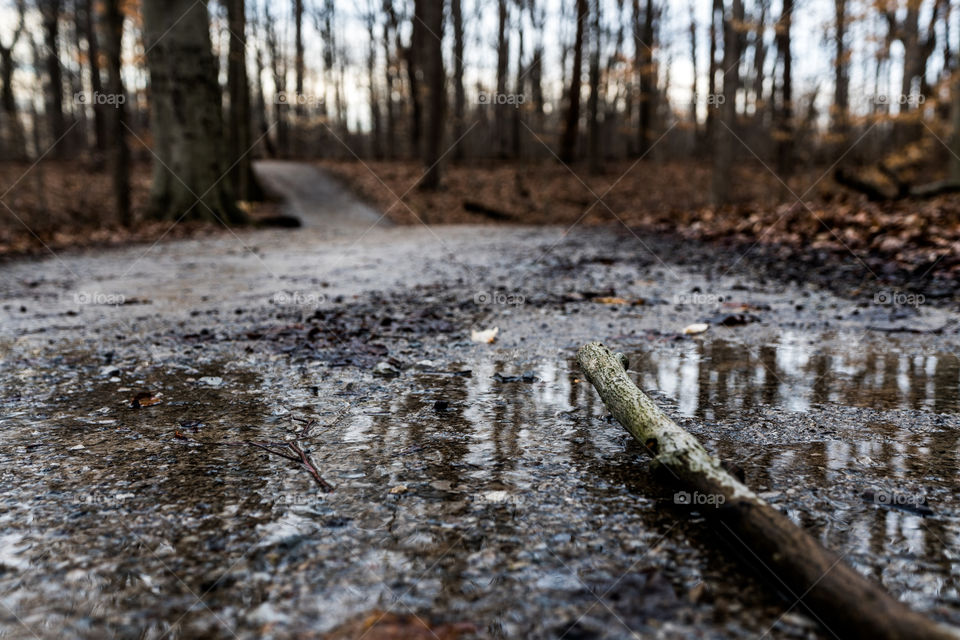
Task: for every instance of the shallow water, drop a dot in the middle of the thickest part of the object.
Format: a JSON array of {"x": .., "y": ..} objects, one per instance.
[{"x": 518, "y": 506}]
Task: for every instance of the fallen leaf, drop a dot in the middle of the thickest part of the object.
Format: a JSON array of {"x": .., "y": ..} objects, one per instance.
[
  {"x": 695, "y": 328},
  {"x": 378, "y": 625},
  {"x": 488, "y": 336},
  {"x": 144, "y": 399},
  {"x": 636, "y": 302}
]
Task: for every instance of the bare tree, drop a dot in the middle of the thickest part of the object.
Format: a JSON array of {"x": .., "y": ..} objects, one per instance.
[
  {"x": 593, "y": 98},
  {"x": 645, "y": 42},
  {"x": 459, "y": 96},
  {"x": 87, "y": 19},
  {"x": 429, "y": 15},
  {"x": 50, "y": 13},
  {"x": 298, "y": 63},
  {"x": 724, "y": 137},
  {"x": 278, "y": 69},
  {"x": 186, "y": 118},
  {"x": 568, "y": 143},
  {"x": 503, "y": 62},
  {"x": 14, "y": 135},
  {"x": 113, "y": 20},
  {"x": 785, "y": 119},
  {"x": 239, "y": 119}
]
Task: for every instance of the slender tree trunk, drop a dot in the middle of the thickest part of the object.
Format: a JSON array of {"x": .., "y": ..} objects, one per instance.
[
  {"x": 186, "y": 117},
  {"x": 517, "y": 115},
  {"x": 724, "y": 139},
  {"x": 593, "y": 99},
  {"x": 390, "y": 75},
  {"x": 841, "y": 66},
  {"x": 503, "y": 62},
  {"x": 15, "y": 137},
  {"x": 261, "y": 108},
  {"x": 568, "y": 143},
  {"x": 50, "y": 12},
  {"x": 278, "y": 69},
  {"x": 716, "y": 19},
  {"x": 459, "y": 96},
  {"x": 785, "y": 125},
  {"x": 239, "y": 136},
  {"x": 113, "y": 19},
  {"x": 645, "y": 42},
  {"x": 431, "y": 14},
  {"x": 694, "y": 88},
  {"x": 298, "y": 64},
  {"x": 96, "y": 83}
]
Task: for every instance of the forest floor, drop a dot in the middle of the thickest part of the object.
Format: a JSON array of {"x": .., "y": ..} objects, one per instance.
[
  {"x": 479, "y": 489},
  {"x": 805, "y": 227}
]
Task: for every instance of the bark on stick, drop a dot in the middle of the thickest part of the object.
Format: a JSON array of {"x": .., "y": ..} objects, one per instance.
[{"x": 842, "y": 600}]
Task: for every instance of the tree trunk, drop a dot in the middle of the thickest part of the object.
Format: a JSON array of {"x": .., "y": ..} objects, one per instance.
[
  {"x": 14, "y": 134},
  {"x": 568, "y": 143},
  {"x": 844, "y": 601},
  {"x": 459, "y": 96},
  {"x": 239, "y": 136},
  {"x": 841, "y": 67},
  {"x": 430, "y": 12},
  {"x": 186, "y": 116},
  {"x": 593, "y": 98},
  {"x": 694, "y": 88},
  {"x": 646, "y": 70},
  {"x": 376, "y": 134},
  {"x": 716, "y": 19},
  {"x": 278, "y": 69},
  {"x": 503, "y": 62},
  {"x": 50, "y": 12},
  {"x": 113, "y": 19},
  {"x": 96, "y": 83},
  {"x": 390, "y": 63},
  {"x": 298, "y": 64},
  {"x": 724, "y": 139},
  {"x": 785, "y": 121}
]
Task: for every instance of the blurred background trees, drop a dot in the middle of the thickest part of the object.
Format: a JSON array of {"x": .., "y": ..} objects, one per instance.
[{"x": 861, "y": 89}]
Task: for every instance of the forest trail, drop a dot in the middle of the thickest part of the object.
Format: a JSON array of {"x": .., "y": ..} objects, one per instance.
[
  {"x": 314, "y": 197},
  {"x": 469, "y": 477}
]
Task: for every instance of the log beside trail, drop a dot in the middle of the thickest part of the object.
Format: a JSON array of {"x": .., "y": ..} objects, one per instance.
[{"x": 846, "y": 603}]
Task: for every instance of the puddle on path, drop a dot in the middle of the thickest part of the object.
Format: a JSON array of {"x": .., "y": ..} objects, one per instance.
[
  {"x": 718, "y": 378},
  {"x": 513, "y": 505}
]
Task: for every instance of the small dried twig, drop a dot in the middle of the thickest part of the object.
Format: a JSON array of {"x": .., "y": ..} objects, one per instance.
[{"x": 277, "y": 448}]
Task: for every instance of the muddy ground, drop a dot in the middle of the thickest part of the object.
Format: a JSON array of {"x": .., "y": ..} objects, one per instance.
[{"x": 475, "y": 486}]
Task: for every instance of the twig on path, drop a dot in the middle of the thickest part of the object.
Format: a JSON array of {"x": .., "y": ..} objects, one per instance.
[
  {"x": 277, "y": 448},
  {"x": 840, "y": 598}
]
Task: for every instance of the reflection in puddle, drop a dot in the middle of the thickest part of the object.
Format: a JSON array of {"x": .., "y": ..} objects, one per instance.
[
  {"x": 513, "y": 503},
  {"x": 714, "y": 379}
]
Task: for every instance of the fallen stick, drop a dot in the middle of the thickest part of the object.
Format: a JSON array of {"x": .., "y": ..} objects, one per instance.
[{"x": 846, "y": 603}]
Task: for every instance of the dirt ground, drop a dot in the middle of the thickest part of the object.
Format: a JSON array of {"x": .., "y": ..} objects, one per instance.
[
  {"x": 479, "y": 490},
  {"x": 911, "y": 244}
]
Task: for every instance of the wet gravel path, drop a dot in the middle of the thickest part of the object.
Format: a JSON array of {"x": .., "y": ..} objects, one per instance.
[{"x": 474, "y": 483}]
